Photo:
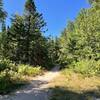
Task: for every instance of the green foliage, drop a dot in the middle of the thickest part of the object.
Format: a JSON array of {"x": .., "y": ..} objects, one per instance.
[
  {"x": 86, "y": 67},
  {"x": 3, "y": 14},
  {"x": 7, "y": 64},
  {"x": 5, "y": 81},
  {"x": 24, "y": 42},
  {"x": 12, "y": 76},
  {"x": 9, "y": 80},
  {"x": 53, "y": 51},
  {"x": 93, "y": 1},
  {"x": 81, "y": 39},
  {"x": 29, "y": 70},
  {"x": 24, "y": 45}
]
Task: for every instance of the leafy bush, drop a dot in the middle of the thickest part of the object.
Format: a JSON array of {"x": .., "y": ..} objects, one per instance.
[
  {"x": 9, "y": 80},
  {"x": 29, "y": 70},
  {"x": 5, "y": 80},
  {"x": 87, "y": 67},
  {"x": 7, "y": 64},
  {"x": 11, "y": 75}
]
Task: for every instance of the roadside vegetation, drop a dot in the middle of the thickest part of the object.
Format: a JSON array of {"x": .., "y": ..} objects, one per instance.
[
  {"x": 13, "y": 76},
  {"x": 80, "y": 57},
  {"x": 74, "y": 86}
]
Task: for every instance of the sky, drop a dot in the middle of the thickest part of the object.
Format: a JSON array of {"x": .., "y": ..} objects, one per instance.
[{"x": 55, "y": 12}]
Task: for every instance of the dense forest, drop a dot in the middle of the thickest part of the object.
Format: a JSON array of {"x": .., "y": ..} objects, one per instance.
[{"x": 25, "y": 50}]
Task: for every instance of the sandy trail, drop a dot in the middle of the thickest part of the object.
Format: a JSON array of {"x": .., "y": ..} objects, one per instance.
[{"x": 37, "y": 90}]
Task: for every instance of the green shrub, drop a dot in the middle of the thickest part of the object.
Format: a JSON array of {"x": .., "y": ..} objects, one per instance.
[
  {"x": 11, "y": 75},
  {"x": 7, "y": 64},
  {"x": 87, "y": 67},
  {"x": 5, "y": 80},
  {"x": 29, "y": 70},
  {"x": 9, "y": 80}
]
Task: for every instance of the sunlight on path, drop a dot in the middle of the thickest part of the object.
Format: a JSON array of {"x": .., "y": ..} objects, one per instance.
[{"x": 37, "y": 90}]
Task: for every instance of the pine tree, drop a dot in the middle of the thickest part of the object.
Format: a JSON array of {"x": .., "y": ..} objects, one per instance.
[
  {"x": 3, "y": 13},
  {"x": 28, "y": 45},
  {"x": 34, "y": 23},
  {"x": 17, "y": 38},
  {"x": 92, "y": 1},
  {"x": 81, "y": 39},
  {"x": 3, "y": 16}
]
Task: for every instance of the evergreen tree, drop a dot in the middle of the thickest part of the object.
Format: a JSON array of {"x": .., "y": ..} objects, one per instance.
[
  {"x": 81, "y": 38},
  {"x": 92, "y": 1},
  {"x": 3, "y": 14},
  {"x": 16, "y": 37},
  {"x": 27, "y": 44},
  {"x": 33, "y": 26}
]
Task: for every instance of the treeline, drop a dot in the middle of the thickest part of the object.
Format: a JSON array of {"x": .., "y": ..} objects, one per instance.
[
  {"x": 80, "y": 41},
  {"x": 23, "y": 41}
]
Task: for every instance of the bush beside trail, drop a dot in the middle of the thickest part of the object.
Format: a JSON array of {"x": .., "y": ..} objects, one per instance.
[{"x": 12, "y": 76}]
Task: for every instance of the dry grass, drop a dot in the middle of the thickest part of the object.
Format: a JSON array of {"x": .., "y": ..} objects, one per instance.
[{"x": 72, "y": 86}]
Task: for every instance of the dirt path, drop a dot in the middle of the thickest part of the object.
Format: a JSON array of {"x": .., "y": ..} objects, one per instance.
[{"x": 37, "y": 90}]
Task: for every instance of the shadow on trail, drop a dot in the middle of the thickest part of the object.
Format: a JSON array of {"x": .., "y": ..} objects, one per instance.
[
  {"x": 29, "y": 92},
  {"x": 33, "y": 92},
  {"x": 61, "y": 93}
]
